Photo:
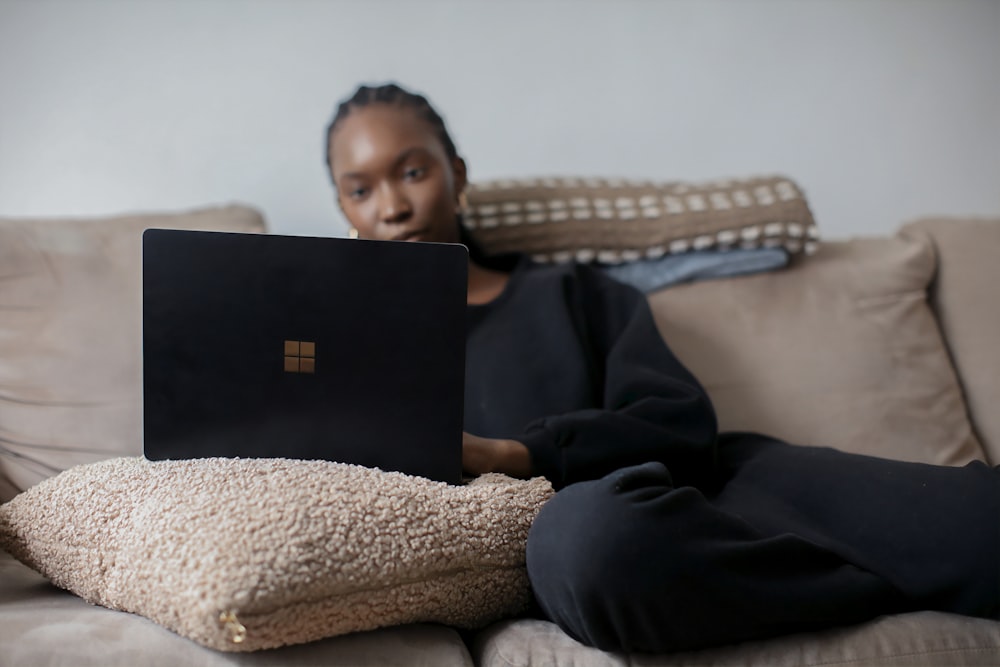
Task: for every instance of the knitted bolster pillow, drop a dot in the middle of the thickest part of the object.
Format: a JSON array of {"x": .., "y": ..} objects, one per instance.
[
  {"x": 611, "y": 221},
  {"x": 247, "y": 554}
]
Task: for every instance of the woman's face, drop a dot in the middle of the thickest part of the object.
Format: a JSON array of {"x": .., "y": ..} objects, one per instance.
[{"x": 393, "y": 177}]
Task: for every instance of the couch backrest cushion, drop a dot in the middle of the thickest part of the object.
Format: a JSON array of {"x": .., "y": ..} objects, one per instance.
[
  {"x": 841, "y": 349},
  {"x": 964, "y": 295},
  {"x": 70, "y": 337}
]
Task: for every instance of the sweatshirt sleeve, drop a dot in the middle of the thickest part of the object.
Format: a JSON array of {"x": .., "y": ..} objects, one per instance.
[{"x": 652, "y": 408}]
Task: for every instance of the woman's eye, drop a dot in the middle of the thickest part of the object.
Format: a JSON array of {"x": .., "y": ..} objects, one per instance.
[
  {"x": 357, "y": 193},
  {"x": 414, "y": 172}
]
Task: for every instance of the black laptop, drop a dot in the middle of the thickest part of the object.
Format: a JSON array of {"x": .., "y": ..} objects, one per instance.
[{"x": 308, "y": 348}]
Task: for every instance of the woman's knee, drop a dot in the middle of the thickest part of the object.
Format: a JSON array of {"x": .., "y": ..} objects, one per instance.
[
  {"x": 590, "y": 526},
  {"x": 605, "y": 559}
]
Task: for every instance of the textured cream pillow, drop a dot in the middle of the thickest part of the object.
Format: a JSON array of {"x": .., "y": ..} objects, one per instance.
[
  {"x": 840, "y": 350},
  {"x": 246, "y": 554},
  {"x": 70, "y": 366},
  {"x": 616, "y": 220}
]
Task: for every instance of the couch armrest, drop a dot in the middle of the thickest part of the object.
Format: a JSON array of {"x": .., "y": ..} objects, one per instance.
[{"x": 963, "y": 296}]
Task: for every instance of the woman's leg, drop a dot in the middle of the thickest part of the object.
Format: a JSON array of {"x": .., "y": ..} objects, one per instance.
[
  {"x": 629, "y": 562},
  {"x": 932, "y": 531}
]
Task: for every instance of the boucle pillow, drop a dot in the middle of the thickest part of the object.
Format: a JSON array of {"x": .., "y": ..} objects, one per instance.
[
  {"x": 615, "y": 220},
  {"x": 246, "y": 554},
  {"x": 70, "y": 361}
]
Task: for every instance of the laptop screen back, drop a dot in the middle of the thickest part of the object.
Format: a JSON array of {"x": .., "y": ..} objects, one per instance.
[{"x": 311, "y": 348}]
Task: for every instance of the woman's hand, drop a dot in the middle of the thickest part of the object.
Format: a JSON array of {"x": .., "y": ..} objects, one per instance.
[{"x": 483, "y": 455}]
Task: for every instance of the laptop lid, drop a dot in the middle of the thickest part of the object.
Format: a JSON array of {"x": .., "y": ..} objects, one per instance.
[{"x": 309, "y": 348}]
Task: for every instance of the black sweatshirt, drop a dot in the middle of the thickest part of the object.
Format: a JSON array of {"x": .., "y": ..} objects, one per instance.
[{"x": 570, "y": 362}]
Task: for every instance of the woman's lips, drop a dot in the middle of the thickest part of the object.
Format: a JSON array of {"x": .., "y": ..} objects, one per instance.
[{"x": 410, "y": 236}]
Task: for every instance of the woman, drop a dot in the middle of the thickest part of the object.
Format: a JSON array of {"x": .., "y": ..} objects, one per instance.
[{"x": 665, "y": 535}]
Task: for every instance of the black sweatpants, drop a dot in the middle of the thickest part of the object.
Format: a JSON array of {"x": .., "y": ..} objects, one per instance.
[{"x": 791, "y": 539}]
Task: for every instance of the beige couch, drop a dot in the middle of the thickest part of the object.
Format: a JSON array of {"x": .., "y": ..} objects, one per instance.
[{"x": 881, "y": 345}]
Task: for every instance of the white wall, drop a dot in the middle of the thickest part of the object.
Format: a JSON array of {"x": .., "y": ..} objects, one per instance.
[{"x": 882, "y": 110}]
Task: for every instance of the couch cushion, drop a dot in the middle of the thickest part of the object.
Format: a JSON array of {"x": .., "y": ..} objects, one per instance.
[
  {"x": 70, "y": 367},
  {"x": 841, "y": 350},
  {"x": 615, "y": 220},
  {"x": 245, "y": 554},
  {"x": 925, "y": 638},
  {"x": 43, "y": 625},
  {"x": 964, "y": 295}
]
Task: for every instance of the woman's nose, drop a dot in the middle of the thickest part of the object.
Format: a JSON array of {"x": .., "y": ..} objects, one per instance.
[{"x": 393, "y": 205}]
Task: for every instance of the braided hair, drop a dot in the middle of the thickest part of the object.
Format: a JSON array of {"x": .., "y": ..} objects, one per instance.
[{"x": 391, "y": 94}]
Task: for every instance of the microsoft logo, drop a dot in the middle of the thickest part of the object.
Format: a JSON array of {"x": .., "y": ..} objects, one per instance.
[{"x": 300, "y": 356}]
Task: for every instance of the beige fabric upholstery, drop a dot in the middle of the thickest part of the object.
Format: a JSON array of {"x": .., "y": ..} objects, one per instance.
[
  {"x": 966, "y": 299},
  {"x": 928, "y": 639},
  {"x": 840, "y": 350},
  {"x": 245, "y": 554},
  {"x": 70, "y": 337},
  {"x": 615, "y": 220},
  {"x": 41, "y": 625}
]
